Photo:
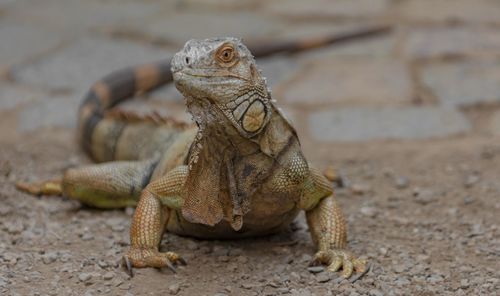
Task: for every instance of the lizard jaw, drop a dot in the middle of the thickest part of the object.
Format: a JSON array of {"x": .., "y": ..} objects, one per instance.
[{"x": 206, "y": 73}]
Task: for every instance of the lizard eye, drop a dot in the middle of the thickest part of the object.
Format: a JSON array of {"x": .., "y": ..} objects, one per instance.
[{"x": 226, "y": 54}]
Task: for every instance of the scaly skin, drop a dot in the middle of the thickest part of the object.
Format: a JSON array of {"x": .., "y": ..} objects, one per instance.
[{"x": 239, "y": 172}]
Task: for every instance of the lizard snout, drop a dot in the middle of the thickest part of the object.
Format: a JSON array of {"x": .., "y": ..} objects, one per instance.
[{"x": 180, "y": 61}]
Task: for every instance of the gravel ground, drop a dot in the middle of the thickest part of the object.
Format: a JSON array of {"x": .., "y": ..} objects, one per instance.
[{"x": 425, "y": 215}]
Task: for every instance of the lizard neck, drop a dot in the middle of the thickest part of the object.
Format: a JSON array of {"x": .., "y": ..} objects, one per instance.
[
  {"x": 215, "y": 131},
  {"x": 277, "y": 135},
  {"x": 216, "y": 126}
]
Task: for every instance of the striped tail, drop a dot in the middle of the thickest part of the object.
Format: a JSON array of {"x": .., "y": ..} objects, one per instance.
[{"x": 115, "y": 88}]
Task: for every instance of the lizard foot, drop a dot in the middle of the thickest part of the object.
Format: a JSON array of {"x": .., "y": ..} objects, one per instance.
[
  {"x": 140, "y": 258},
  {"x": 52, "y": 187},
  {"x": 336, "y": 259}
]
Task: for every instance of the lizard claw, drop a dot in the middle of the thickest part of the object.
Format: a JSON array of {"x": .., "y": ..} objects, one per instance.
[
  {"x": 171, "y": 266},
  {"x": 337, "y": 259},
  {"x": 182, "y": 261},
  {"x": 140, "y": 258},
  {"x": 126, "y": 263},
  {"x": 360, "y": 274}
]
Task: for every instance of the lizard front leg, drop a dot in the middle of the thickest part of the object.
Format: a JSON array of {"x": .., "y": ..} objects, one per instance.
[
  {"x": 328, "y": 227},
  {"x": 148, "y": 224}
]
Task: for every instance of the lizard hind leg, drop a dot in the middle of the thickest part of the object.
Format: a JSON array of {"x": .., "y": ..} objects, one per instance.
[{"x": 107, "y": 186}]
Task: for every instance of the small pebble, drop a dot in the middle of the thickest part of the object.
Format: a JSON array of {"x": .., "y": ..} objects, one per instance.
[
  {"x": 359, "y": 189},
  {"x": 192, "y": 245},
  {"x": 118, "y": 228},
  {"x": 402, "y": 182},
  {"x": 316, "y": 269},
  {"x": 84, "y": 277},
  {"x": 236, "y": 252},
  {"x": 108, "y": 275},
  {"x": 174, "y": 289},
  {"x": 435, "y": 278},
  {"x": 470, "y": 180},
  {"x": 295, "y": 276},
  {"x": 424, "y": 196},
  {"x": 15, "y": 227},
  {"x": 476, "y": 230},
  {"x": 247, "y": 286},
  {"x": 5, "y": 210},
  {"x": 369, "y": 211},
  {"x": 306, "y": 258},
  {"x": 464, "y": 283},
  {"x": 401, "y": 281},
  {"x": 220, "y": 251},
  {"x": 468, "y": 200},
  {"x": 399, "y": 268},
  {"x": 49, "y": 257},
  {"x": 87, "y": 236},
  {"x": 242, "y": 259},
  {"x": 375, "y": 292},
  {"x": 322, "y": 277}
]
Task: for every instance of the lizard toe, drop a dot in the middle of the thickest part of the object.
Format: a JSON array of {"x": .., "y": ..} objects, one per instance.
[
  {"x": 336, "y": 264},
  {"x": 340, "y": 259},
  {"x": 140, "y": 258},
  {"x": 52, "y": 187},
  {"x": 321, "y": 257}
]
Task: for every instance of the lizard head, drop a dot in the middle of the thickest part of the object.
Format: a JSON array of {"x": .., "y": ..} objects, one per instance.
[{"x": 221, "y": 73}]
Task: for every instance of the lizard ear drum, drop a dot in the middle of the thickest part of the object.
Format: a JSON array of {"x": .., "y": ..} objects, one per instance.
[{"x": 253, "y": 119}]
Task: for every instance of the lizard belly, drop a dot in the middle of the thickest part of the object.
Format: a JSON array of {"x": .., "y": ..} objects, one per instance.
[{"x": 267, "y": 215}]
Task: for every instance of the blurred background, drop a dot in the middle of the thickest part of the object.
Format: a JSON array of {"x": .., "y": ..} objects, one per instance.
[
  {"x": 420, "y": 81},
  {"x": 410, "y": 121}
]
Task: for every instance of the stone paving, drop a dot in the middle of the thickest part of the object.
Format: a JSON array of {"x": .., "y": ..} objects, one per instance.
[{"x": 440, "y": 55}]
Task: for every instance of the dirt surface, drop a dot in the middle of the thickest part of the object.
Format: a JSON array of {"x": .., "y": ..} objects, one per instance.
[{"x": 424, "y": 213}]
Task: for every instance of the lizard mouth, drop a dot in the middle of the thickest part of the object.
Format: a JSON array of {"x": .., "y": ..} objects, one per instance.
[{"x": 207, "y": 74}]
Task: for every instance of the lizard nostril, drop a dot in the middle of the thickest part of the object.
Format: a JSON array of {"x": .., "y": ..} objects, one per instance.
[{"x": 187, "y": 60}]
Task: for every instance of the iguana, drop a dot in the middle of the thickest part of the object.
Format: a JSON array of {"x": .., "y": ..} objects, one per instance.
[{"x": 238, "y": 172}]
